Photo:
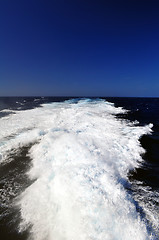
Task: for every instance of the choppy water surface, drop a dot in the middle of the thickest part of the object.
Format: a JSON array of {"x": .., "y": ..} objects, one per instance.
[{"x": 76, "y": 169}]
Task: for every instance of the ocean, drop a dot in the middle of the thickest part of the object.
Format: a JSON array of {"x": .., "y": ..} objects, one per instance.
[{"x": 79, "y": 168}]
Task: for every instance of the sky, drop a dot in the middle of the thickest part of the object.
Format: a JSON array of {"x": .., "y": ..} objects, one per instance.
[{"x": 79, "y": 48}]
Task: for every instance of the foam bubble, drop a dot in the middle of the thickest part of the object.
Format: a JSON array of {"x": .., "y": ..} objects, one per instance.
[{"x": 80, "y": 165}]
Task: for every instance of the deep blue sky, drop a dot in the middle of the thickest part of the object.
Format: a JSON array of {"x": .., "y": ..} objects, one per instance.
[{"x": 79, "y": 48}]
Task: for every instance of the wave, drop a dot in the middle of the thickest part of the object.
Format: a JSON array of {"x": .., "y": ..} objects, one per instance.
[{"x": 80, "y": 163}]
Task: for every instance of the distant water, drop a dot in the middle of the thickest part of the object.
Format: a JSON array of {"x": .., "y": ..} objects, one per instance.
[{"x": 79, "y": 168}]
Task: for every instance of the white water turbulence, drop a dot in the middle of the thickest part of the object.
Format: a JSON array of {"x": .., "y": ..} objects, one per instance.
[{"x": 80, "y": 160}]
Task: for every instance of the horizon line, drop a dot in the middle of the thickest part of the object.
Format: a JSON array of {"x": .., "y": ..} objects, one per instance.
[{"x": 65, "y": 96}]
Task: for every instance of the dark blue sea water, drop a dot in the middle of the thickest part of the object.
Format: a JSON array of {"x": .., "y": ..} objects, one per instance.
[{"x": 43, "y": 133}]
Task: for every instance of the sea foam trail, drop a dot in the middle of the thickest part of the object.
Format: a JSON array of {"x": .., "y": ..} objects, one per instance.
[{"x": 80, "y": 164}]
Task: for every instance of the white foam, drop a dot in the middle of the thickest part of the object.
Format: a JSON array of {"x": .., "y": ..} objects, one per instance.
[
  {"x": 148, "y": 199},
  {"x": 7, "y": 110},
  {"x": 80, "y": 164}
]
